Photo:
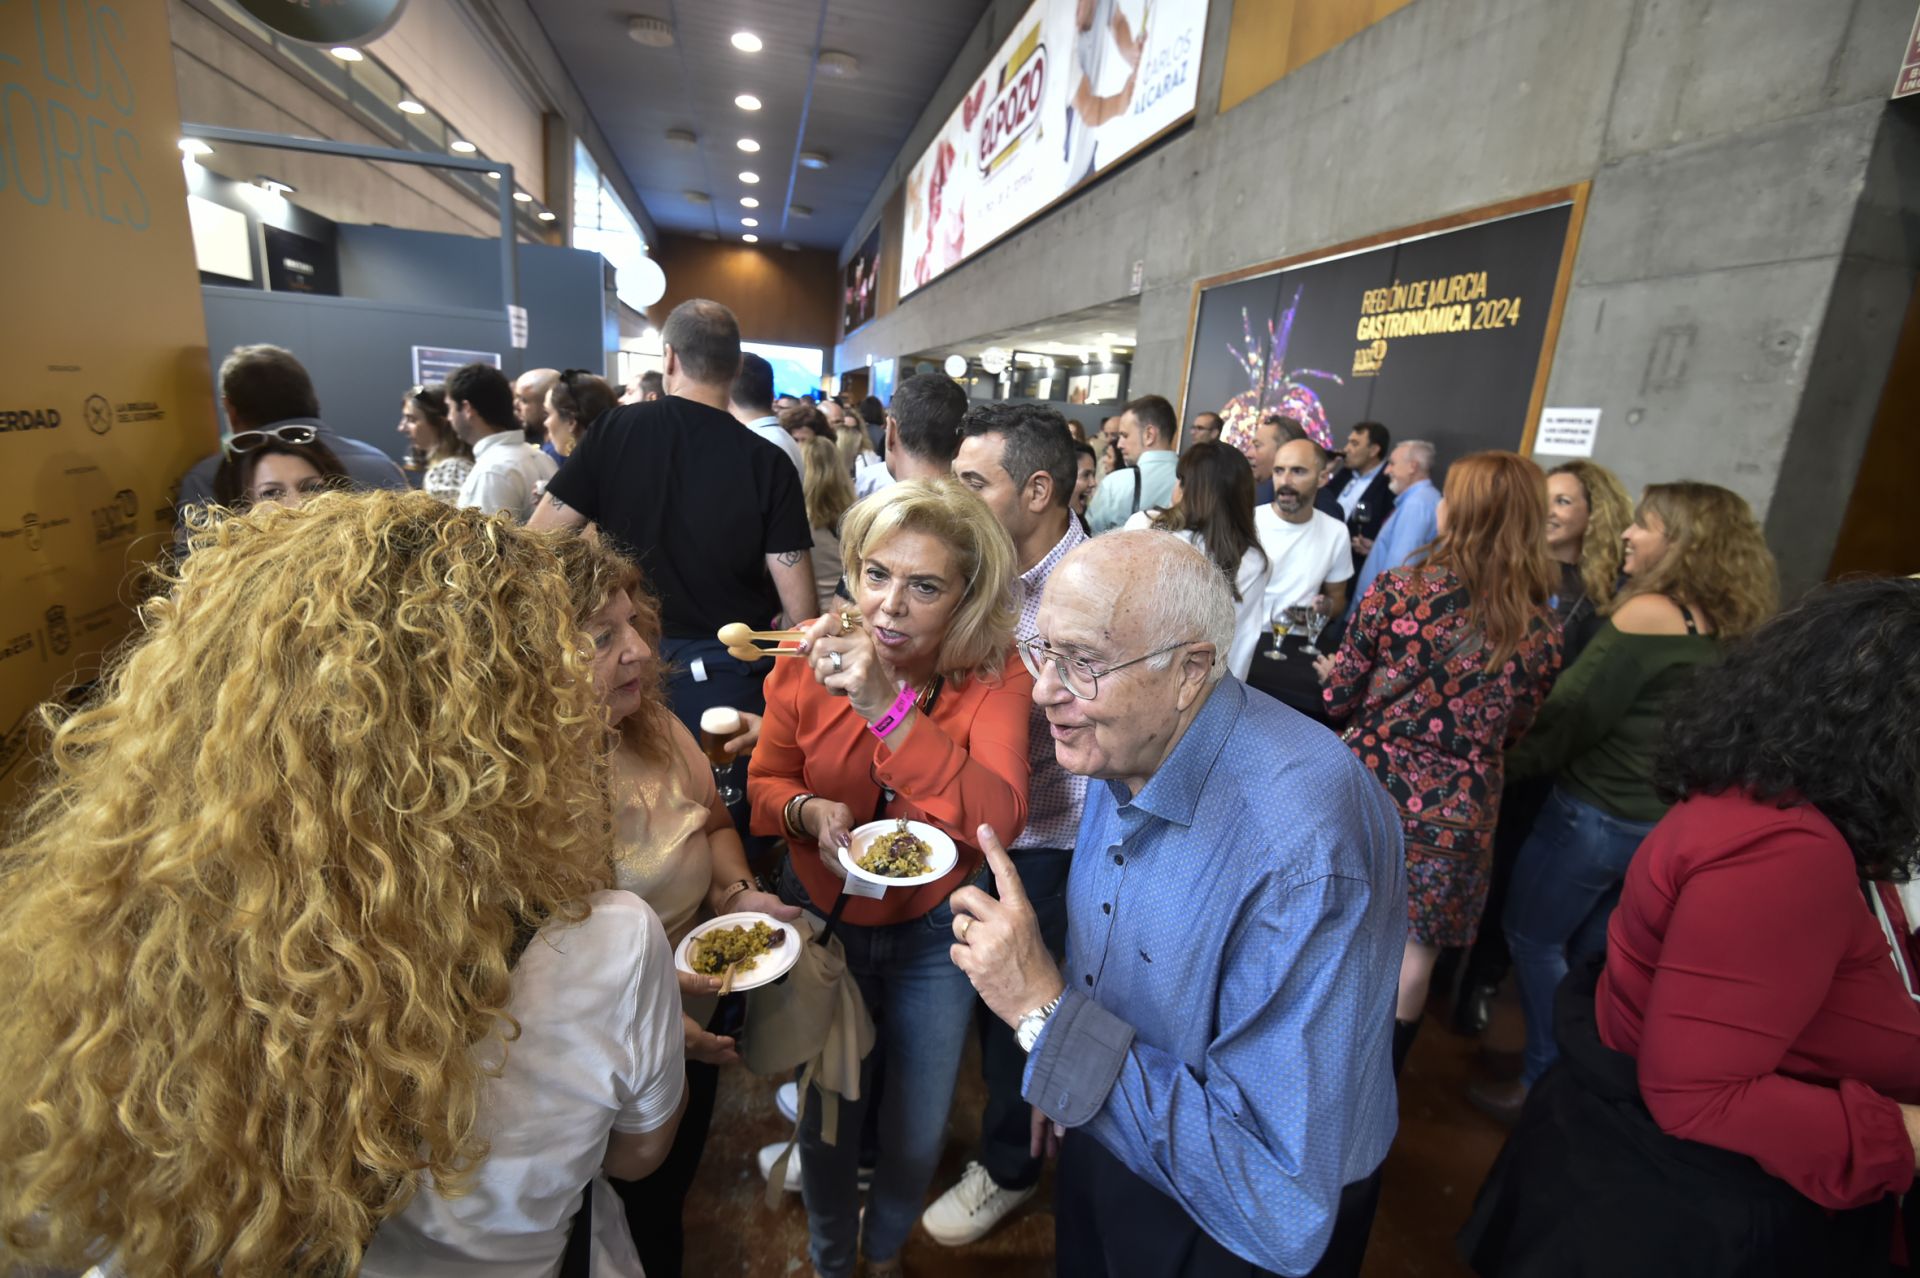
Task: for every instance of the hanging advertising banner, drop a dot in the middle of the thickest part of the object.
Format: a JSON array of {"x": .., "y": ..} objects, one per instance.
[
  {"x": 1076, "y": 89},
  {"x": 1443, "y": 332},
  {"x": 859, "y": 285},
  {"x": 105, "y": 362}
]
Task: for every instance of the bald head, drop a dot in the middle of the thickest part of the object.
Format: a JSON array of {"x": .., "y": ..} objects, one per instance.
[
  {"x": 1156, "y": 616},
  {"x": 530, "y": 396}
]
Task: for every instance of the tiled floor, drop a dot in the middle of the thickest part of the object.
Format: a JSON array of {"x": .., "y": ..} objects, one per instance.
[{"x": 1437, "y": 1163}]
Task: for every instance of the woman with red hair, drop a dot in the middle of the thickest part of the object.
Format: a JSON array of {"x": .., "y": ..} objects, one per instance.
[{"x": 1443, "y": 667}]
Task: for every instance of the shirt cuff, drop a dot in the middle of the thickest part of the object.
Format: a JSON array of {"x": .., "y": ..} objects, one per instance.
[
  {"x": 1882, "y": 1152},
  {"x": 1076, "y": 1060}
]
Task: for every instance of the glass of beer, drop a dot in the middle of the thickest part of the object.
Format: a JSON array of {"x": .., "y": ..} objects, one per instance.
[{"x": 719, "y": 725}]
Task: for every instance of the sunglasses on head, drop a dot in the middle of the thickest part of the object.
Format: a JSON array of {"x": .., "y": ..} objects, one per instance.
[{"x": 248, "y": 440}]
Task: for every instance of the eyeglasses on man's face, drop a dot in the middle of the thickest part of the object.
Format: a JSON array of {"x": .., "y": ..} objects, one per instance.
[{"x": 1080, "y": 675}]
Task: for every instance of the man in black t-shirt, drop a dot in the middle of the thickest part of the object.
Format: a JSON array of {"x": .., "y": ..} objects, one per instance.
[{"x": 713, "y": 513}]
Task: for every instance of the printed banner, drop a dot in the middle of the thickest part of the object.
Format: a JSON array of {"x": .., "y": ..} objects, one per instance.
[
  {"x": 1078, "y": 87},
  {"x": 859, "y": 287},
  {"x": 1437, "y": 336},
  {"x": 105, "y": 366}
]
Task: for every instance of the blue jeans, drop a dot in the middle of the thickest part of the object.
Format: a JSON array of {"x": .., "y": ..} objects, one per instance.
[
  {"x": 1566, "y": 881},
  {"x": 922, "y": 1007}
]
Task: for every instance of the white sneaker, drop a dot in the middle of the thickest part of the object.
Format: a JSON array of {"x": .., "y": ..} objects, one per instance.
[
  {"x": 787, "y": 1098},
  {"x": 972, "y": 1209},
  {"x": 769, "y": 1153}
]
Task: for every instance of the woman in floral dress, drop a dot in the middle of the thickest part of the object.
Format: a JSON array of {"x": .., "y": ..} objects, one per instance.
[{"x": 1442, "y": 668}]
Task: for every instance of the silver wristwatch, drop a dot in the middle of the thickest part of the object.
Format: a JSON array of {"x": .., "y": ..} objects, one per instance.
[{"x": 1027, "y": 1032}]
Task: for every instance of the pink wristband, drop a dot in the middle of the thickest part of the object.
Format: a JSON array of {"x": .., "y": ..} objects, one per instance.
[{"x": 896, "y": 712}]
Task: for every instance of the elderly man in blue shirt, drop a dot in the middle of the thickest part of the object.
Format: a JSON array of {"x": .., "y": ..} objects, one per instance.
[
  {"x": 1217, "y": 1051},
  {"x": 1415, "y": 520}
]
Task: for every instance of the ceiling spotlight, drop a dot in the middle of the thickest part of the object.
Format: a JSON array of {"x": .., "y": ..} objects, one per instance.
[
  {"x": 748, "y": 202},
  {"x": 813, "y": 160},
  {"x": 747, "y": 102},
  {"x": 751, "y": 238},
  {"x": 681, "y": 137},
  {"x": 836, "y": 63},
  {"x": 546, "y": 215},
  {"x": 800, "y": 210},
  {"x": 346, "y": 53},
  {"x": 696, "y": 197},
  {"x": 746, "y": 42},
  {"x": 194, "y": 146},
  {"x": 748, "y": 145},
  {"x": 411, "y": 107},
  {"x": 749, "y": 221},
  {"x": 494, "y": 174},
  {"x": 956, "y": 366},
  {"x": 655, "y": 33},
  {"x": 462, "y": 146},
  {"x": 749, "y": 177},
  {"x": 523, "y": 197}
]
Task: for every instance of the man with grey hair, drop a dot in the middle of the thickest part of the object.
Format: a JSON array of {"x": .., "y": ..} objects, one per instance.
[
  {"x": 1217, "y": 1051},
  {"x": 1415, "y": 520}
]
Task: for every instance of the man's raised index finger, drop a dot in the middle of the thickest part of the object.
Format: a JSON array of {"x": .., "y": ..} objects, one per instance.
[{"x": 1006, "y": 879}]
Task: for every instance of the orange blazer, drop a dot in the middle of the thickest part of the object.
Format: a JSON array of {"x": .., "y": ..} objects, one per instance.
[{"x": 963, "y": 765}]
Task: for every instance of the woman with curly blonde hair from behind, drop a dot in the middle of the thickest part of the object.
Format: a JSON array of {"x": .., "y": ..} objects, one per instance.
[{"x": 258, "y": 930}]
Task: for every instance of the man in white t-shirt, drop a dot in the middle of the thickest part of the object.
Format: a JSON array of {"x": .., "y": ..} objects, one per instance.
[
  {"x": 1310, "y": 561},
  {"x": 596, "y": 1080}
]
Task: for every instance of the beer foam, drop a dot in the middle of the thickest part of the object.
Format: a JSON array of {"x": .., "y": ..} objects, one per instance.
[{"x": 720, "y": 720}]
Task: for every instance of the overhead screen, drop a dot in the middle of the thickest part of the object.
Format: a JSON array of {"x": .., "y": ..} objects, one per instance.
[{"x": 1077, "y": 87}]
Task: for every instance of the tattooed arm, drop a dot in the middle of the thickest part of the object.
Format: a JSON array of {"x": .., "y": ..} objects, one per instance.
[
  {"x": 553, "y": 513},
  {"x": 793, "y": 577}
]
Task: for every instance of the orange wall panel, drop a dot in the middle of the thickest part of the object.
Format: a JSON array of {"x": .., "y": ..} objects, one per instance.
[
  {"x": 778, "y": 296},
  {"x": 1268, "y": 39}
]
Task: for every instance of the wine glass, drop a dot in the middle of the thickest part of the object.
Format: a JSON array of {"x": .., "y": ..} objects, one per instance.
[
  {"x": 1299, "y": 617},
  {"x": 1281, "y": 624},
  {"x": 719, "y": 725},
  {"x": 1316, "y": 622}
]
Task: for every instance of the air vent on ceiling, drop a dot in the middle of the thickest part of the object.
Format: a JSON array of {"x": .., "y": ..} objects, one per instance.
[
  {"x": 799, "y": 210},
  {"x": 836, "y": 63},
  {"x": 655, "y": 33},
  {"x": 696, "y": 197},
  {"x": 813, "y": 159},
  {"x": 681, "y": 137}
]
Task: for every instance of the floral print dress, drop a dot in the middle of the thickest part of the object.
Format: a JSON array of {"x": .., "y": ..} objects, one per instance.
[{"x": 1436, "y": 736}]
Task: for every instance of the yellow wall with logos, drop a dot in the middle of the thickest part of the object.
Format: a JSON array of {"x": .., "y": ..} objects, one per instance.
[
  {"x": 104, "y": 369},
  {"x": 1269, "y": 39}
]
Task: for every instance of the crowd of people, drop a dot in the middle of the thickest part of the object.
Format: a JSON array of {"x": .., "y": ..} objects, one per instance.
[{"x": 338, "y": 934}]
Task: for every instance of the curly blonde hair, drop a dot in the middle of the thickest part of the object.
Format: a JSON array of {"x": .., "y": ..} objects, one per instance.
[
  {"x": 1609, "y": 511},
  {"x": 262, "y": 907},
  {"x": 1717, "y": 557}
]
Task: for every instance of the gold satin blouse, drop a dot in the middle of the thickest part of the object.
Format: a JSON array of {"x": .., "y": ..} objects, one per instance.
[{"x": 661, "y": 853}]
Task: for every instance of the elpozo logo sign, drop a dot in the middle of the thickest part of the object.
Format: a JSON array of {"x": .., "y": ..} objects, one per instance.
[{"x": 1016, "y": 108}]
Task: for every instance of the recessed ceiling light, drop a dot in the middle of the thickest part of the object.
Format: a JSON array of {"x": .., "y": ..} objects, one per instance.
[
  {"x": 523, "y": 197},
  {"x": 813, "y": 160},
  {"x": 749, "y": 221},
  {"x": 747, "y": 102},
  {"x": 749, "y": 177},
  {"x": 655, "y": 33},
  {"x": 494, "y": 174},
  {"x": 751, "y": 238},
  {"x": 194, "y": 146},
  {"x": 546, "y": 215},
  {"x": 748, "y": 145},
  {"x": 746, "y": 42},
  {"x": 411, "y": 107},
  {"x": 462, "y": 146},
  {"x": 748, "y": 202},
  {"x": 348, "y": 54}
]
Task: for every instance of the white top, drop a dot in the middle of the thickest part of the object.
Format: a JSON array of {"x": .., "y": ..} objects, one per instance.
[
  {"x": 870, "y": 479},
  {"x": 600, "y": 1049},
  {"x": 1249, "y": 613},
  {"x": 770, "y": 429},
  {"x": 1304, "y": 556},
  {"x": 507, "y": 470}
]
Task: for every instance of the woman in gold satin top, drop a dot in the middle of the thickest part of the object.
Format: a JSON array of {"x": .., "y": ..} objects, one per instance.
[{"x": 675, "y": 847}]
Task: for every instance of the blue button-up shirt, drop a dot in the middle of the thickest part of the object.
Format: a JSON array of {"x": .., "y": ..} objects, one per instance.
[
  {"x": 1413, "y": 523},
  {"x": 1234, "y": 941}
]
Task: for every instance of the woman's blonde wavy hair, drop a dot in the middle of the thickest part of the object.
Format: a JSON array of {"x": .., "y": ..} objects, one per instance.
[
  {"x": 262, "y": 906},
  {"x": 1717, "y": 558},
  {"x": 981, "y": 632},
  {"x": 1609, "y": 511}
]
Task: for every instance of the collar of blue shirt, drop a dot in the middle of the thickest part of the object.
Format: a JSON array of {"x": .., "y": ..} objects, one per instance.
[{"x": 1172, "y": 793}]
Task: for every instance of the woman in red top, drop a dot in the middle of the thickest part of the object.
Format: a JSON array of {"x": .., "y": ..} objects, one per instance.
[
  {"x": 1743, "y": 1077},
  {"x": 932, "y": 575},
  {"x": 1443, "y": 667}
]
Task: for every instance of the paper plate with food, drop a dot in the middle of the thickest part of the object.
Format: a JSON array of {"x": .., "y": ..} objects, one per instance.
[
  {"x": 757, "y": 948},
  {"x": 897, "y": 853}
]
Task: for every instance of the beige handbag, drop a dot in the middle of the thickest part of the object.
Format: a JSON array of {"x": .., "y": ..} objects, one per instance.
[{"x": 815, "y": 1021}]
